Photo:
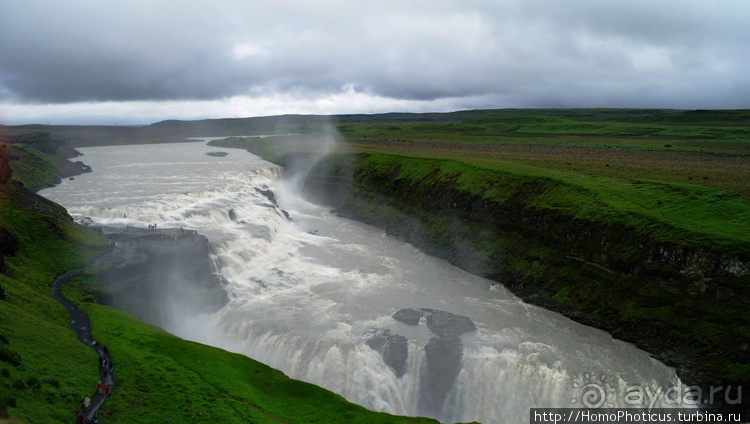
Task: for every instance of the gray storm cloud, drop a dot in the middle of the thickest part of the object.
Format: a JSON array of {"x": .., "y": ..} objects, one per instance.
[{"x": 530, "y": 53}]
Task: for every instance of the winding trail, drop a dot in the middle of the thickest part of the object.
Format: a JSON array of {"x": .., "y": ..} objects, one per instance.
[{"x": 79, "y": 322}]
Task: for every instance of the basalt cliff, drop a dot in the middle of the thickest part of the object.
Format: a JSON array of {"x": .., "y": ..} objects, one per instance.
[{"x": 155, "y": 274}]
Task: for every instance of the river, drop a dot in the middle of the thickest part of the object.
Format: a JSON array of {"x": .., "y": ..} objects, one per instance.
[{"x": 315, "y": 296}]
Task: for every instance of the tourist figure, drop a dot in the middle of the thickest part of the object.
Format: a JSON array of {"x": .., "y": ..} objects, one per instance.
[
  {"x": 87, "y": 402},
  {"x": 106, "y": 390},
  {"x": 99, "y": 387}
]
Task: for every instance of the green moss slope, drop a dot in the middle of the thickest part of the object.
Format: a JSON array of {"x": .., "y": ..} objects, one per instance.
[{"x": 53, "y": 370}]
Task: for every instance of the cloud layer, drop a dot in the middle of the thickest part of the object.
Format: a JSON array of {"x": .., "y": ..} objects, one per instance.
[{"x": 300, "y": 56}]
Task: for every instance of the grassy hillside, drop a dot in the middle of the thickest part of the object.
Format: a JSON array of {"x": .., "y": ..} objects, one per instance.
[
  {"x": 44, "y": 371},
  {"x": 166, "y": 379},
  {"x": 38, "y": 158},
  {"x": 32, "y": 168}
]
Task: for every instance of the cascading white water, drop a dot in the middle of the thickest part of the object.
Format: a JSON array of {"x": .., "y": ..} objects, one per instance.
[{"x": 308, "y": 295}]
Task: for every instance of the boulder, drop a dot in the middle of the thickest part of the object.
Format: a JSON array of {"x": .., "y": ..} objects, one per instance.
[{"x": 393, "y": 348}]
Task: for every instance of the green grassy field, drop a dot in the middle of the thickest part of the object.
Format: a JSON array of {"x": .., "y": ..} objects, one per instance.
[{"x": 722, "y": 132}]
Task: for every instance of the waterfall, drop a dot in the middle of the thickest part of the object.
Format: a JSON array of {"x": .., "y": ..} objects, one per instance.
[{"x": 344, "y": 306}]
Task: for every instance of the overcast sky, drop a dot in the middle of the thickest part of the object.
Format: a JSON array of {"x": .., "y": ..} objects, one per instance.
[{"x": 126, "y": 62}]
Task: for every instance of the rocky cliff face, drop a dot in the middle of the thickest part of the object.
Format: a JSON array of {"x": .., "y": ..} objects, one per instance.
[
  {"x": 686, "y": 305},
  {"x": 5, "y": 172},
  {"x": 158, "y": 275}
]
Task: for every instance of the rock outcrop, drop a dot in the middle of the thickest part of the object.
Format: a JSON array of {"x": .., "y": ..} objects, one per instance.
[
  {"x": 5, "y": 172},
  {"x": 8, "y": 246},
  {"x": 443, "y": 353},
  {"x": 394, "y": 349},
  {"x": 158, "y": 274}
]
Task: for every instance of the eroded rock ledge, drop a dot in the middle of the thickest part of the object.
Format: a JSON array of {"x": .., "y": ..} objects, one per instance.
[
  {"x": 443, "y": 353},
  {"x": 156, "y": 273}
]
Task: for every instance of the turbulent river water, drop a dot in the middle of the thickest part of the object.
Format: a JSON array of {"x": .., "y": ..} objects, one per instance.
[{"x": 315, "y": 297}]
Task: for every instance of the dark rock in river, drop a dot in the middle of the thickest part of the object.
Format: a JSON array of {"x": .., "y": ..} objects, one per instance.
[
  {"x": 439, "y": 372},
  {"x": 217, "y": 154},
  {"x": 85, "y": 221},
  {"x": 446, "y": 324},
  {"x": 268, "y": 194},
  {"x": 232, "y": 214},
  {"x": 81, "y": 167},
  {"x": 441, "y": 323},
  {"x": 408, "y": 316},
  {"x": 443, "y": 354},
  {"x": 393, "y": 348}
]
